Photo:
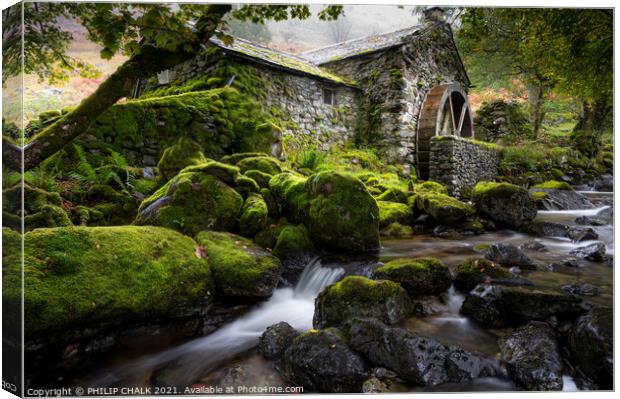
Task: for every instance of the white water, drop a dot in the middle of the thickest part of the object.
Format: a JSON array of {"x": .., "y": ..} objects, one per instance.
[
  {"x": 574, "y": 212},
  {"x": 194, "y": 358}
]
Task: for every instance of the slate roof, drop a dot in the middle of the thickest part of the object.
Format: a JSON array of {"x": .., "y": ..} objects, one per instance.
[
  {"x": 359, "y": 46},
  {"x": 278, "y": 59}
]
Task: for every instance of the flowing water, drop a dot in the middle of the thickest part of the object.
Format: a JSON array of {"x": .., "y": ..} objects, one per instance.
[{"x": 230, "y": 350}]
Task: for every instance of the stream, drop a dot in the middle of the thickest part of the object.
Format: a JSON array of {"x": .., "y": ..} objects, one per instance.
[{"x": 229, "y": 356}]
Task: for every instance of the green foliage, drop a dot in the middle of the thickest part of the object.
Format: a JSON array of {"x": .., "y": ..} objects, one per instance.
[
  {"x": 310, "y": 159},
  {"x": 115, "y": 171},
  {"x": 80, "y": 277}
]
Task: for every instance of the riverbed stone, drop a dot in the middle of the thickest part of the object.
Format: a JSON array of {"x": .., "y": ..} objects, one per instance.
[
  {"x": 491, "y": 200},
  {"x": 416, "y": 358},
  {"x": 583, "y": 289},
  {"x": 509, "y": 255},
  {"x": 532, "y": 357},
  {"x": 555, "y": 199},
  {"x": 594, "y": 252},
  {"x": 357, "y": 296},
  {"x": 322, "y": 361},
  {"x": 470, "y": 273},
  {"x": 418, "y": 276},
  {"x": 579, "y": 234},
  {"x": 275, "y": 339},
  {"x": 591, "y": 344},
  {"x": 500, "y": 306},
  {"x": 590, "y": 221}
]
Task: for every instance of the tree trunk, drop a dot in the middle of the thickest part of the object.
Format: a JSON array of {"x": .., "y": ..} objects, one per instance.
[
  {"x": 537, "y": 100},
  {"x": 149, "y": 61}
]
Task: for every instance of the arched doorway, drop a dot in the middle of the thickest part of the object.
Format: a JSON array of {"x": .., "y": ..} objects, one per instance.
[{"x": 445, "y": 112}]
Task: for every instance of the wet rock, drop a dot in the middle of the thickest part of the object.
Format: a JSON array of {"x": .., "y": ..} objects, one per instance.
[
  {"x": 374, "y": 385},
  {"x": 276, "y": 339},
  {"x": 509, "y": 255},
  {"x": 579, "y": 234},
  {"x": 583, "y": 289},
  {"x": 604, "y": 183},
  {"x": 594, "y": 252},
  {"x": 357, "y": 296},
  {"x": 568, "y": 262},
  {"x": 491, "y": 199},
  {"x": 546, "y": 229},
  {"x": 472, "y": 272},
  {"x": 563, "y": 200},
  {"x": 446, "y": 232},
  {"x": 321, "y": 361},
  {"x": 591, "y": 343},
  {"x": 588, "y": 221},
  {"x": 534, "y": 245},
  {"x": 532, "y": 357},
  {"x": 418, "y": 276},
  {"x": 497, "y": 306},
  {"x": 418, "y": 359}
]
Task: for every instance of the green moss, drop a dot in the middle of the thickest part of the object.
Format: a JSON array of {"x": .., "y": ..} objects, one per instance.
[
  {"x": 539, "y": 195},
  {"x": 363, "y": 290},
  {"x": 472, "y": 272},
  {"x": 292, "y": 240},
  {"x": 253, "y": 215},
  {"x": 483, "y": 190},
  {"x": 246, "y": 186},
  {"x": 191, "y": 202},
  {"x": 393, "y": 194},
  {"x": 240, "y": 268},
  {"x": 554, "y": 185},
  {"x": 419, "y": 276},
  {"x": 233, "y": 159},
  {"x": 41, "y": 208},
  {"x": 183, "y": 153},
  {"x": 269, "y": 236},
  {"x": 390, "y": 212},
  {"x": 430, "y": 186},
  {"x": 397, "y": 230},
  {"x": 80, "y": 277},
  {"x": 226, "y": 173},
  {"x": 443, "y": 208},
  {"x": 267, "y": 165},
  {"x": 261, "y": 178}
]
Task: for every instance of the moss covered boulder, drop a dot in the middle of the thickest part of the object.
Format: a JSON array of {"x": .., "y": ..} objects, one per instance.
[
  {"x": 253, "y": 215},
  {"x": 41, "y": 208},
  {"x": 263, "y": 164},
  {"x": 504, "y": 203},
  {"x": 443, "y": 208},
  {"x": 183, "y": 153},
  {"x": 470, "y": 273},
  {"x": 295, "y": 249},
  {"x": 336, "y": 207},
  {"x": 190, "y": 202},
  {"x": 261, "y": 178},
  {"x": 396, "y": 230},
  {"x": 79, "y": 278},
  {"x": 241, "y": 269},
  {"x": 419, "y": 276},
  {"x": 357, "y": 296},
  {"x": 391, "y": 212},
  {"x": 394, "y": 194}
]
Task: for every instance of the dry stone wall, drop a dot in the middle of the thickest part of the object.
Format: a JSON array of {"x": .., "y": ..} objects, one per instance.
[{"x": 459, "y": 163}]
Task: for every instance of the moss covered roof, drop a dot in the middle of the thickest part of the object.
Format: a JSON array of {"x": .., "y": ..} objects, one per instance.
[
  {"x": 290, "y": 62},
  {"x": 359, "y": 46}
]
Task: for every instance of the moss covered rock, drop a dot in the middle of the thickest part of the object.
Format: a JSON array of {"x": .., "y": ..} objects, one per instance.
[
  {"x": 391, "y": 212},
  {"x": 183, "y": 153},
  {"x": 253, "y": 215},
  {"x": 240, "y": 268},
  {"x": 233, "y": 159},
  {"x": 472, "y": 272},
  {"x": 419, "y": 276},
  {"x": 86, "y": 277},
  {"x": 554, "y": 185},
  {"x": 41, "y": 208},
  {"x": 504, "y": 203},
  {"x": 336, "y": 207},
  {"x": 394, "y": 194},
  {"x": 246, "y": 186},
  {"x": 267, "y": 165},
  {"x": 226, "y": 173},
  {"x": 357, "y": 296},
  {"x": 443, "y": 208},
  {"x": 294, "y": 248},
  {"x": 261, "y": 178},
  {"x": 190, "y": 202},
  {"x": 396, "y": 230},
  {"x": 430, "y": 186}
]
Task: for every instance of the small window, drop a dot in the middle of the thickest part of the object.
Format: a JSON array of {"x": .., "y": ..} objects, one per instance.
[{"x": 328, "y": 96}]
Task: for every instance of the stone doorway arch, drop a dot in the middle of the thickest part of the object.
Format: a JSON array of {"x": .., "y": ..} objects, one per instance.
[{"x": 445, "y": 112}]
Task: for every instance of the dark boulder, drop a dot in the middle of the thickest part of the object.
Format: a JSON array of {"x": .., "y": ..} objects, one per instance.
[
  {"x": 604, "y": 183},
  {"x": 579, "y": 234},
  {"x": 594, "y": 252},
  {"x": 418, "y": 359},
  {"x": 591, "y": 343},
  {"x": 561, "y": 199},
  {"x": 321, "y": 361},
  {"x": 357, "y": 296},
  {"x": 491, "y": 200},
  {"x": 583, "y": 289},
  {"x": 496, "y": 306},
  {"x": 276, "y": 339},
  {"x": 532, "y": 357},
  {"x": 588, "y": 221},
  {"x": 468, "y": 274},
  {"x": 546, "y": 229},
  {"x": 419, "y": 276},
  {"x": 509, "y": 255},
  {"x": 534, "y": 245}
]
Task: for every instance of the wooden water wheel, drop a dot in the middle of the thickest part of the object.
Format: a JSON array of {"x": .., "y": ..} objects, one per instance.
[{"x": 445, "y": 112}]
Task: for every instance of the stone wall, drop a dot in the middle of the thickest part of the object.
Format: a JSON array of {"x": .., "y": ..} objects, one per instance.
[
  {"x": 397, "y": 81},
  {"x": 297, "y": 98},
  {"x": 460, "y": 163}
]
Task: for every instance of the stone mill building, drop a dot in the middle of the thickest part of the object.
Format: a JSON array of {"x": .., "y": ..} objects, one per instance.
[{"x": 395, "y": 91}]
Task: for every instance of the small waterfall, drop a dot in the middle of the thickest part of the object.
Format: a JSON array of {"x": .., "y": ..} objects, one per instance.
[
  {"x": 189, "y": 361},
  {"x": 454, "y": 300}
]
